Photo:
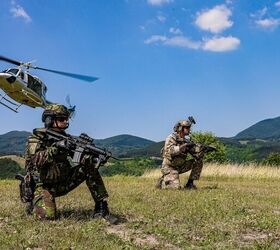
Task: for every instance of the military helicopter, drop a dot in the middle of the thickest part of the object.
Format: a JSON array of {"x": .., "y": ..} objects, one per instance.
[{"x": 22, "y": 88}]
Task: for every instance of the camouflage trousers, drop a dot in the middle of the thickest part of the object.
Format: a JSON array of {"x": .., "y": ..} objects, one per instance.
[
  {"x": 44, "y": 205},
  {"x": 170, "y": 174}
]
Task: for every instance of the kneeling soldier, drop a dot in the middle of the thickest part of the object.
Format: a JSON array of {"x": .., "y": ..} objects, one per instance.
[
  {"x": 48, "y": 163},
  {"x": 174, "y": 154}
]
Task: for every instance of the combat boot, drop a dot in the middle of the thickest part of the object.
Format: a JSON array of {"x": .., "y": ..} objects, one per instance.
[
  {"x": 101, "y": 210},
  {"x": 159, "y": 183},
  {"x": 29, "y": 208},
  {"x": 190, "y": 185}
]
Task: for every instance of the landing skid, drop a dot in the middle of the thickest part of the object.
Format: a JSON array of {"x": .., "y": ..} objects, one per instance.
[{"x": 3, "y": 99}]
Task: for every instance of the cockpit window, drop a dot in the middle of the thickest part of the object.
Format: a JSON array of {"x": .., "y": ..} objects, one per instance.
[
  {"x": 14, "y": 71},
  {"x": 35, "y": 85}
]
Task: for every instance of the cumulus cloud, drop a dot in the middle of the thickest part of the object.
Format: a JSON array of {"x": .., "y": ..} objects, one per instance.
[
  {"x": 159, "y": 2},
  {"x": 215, "y": 44},
  {"x": 181, "y": 41},
  {"x": 18, "y": 11},
  {"x": 221, "y": 44},
  {"x": 214, "y": 20},
  {"x": 177, "y": 41},
  {"x": 155, "y": 39},
  {"x": 175, "y": 31},
  {"x": 268, "y": 23}
]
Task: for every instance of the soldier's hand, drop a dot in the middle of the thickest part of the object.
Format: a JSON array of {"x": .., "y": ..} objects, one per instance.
[
  {"x": 64, "y": 144},
  {"x": 186, "y": 146},
  {"x": 183, "y": 148}
]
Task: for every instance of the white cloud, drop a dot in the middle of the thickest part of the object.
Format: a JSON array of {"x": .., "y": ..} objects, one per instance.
[
  {"x": 161, "y": 18},
  {"x": 221, "y": 44},
  {"x": 159, "y": 2},
  {"x": 277, "y": 4},
  {"x": 214, "y": 20},
  {"x": 175, "y": 31},
  {"x": 18, "y": 11},
  {"x": 215, "y": 44},
  {"x": 155, "y": 39},
  {"x": 268, "y": 23},
  {"x": 181, "y": 41},
  {"x": 177, "y": 41},
  {"x": 260, "y": 13}
]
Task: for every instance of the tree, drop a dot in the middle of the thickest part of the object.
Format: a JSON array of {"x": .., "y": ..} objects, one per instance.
[
  {"x": 208, "y": 138},
  {"x": 273, "y": 159}
]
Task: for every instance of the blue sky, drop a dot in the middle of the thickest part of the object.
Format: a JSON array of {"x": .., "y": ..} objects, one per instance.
[{"x": 158, "y": 61}]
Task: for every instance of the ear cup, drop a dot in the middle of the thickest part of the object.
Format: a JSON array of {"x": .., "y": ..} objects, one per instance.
[{"x": 48, "y": 122}]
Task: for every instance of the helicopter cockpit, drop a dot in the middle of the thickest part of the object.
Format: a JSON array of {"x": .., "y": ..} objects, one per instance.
[
  {"x": 36, "y": 85},
  {"x": 32, "y": 82}
]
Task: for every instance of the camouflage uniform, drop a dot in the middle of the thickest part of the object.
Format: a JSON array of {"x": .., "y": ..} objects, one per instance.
[
  {"x": 175, "y": 163},
  {"x": 55, "y": 175}
]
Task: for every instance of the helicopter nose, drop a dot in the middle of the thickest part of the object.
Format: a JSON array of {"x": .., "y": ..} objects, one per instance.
[{"x": 11, "y": 79}]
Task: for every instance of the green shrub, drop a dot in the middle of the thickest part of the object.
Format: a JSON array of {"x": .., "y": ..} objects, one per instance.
[
  {"x": 273, "y": 159},
  {"x": 8, "y": 169},
  {"x": 208, "y": 138}
]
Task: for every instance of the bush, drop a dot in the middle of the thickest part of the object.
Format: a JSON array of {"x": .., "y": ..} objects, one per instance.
[
  {"x": 273, "y": 159},
  {"x": 208, "y": 138},
  {"x": 8, "y": 169},
  {"x": 133, "y": 166}
]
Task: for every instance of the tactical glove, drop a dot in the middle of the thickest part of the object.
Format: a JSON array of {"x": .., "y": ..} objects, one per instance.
[
  {"x": 64, "y": 144},
  {"x": 186, "y": 146}
]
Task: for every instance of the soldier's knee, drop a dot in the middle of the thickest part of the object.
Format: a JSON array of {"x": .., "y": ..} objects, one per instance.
[
  {"x": 44, "y": 206},
  {"x": 171, "y": 180}
]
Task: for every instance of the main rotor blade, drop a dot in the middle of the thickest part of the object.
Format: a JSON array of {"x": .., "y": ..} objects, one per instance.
[
  {"x": 77, "y": 76},
  {"x": 2, "y": 58}
]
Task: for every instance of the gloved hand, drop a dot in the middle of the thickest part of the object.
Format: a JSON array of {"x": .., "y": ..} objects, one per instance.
[
  {"x": 183, "y": 148},
  {"x": 64, "y": 144},
  {"x": 186, "y": 146}
]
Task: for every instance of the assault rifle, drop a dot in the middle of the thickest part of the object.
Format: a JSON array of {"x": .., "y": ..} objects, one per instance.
[
  {"x": 80, "y": 145},
  {"x": 196, "y": 149},
  {"x": 206, "y": 148}
]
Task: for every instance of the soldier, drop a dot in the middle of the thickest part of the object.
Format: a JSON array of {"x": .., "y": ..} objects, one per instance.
[
  {"x": 174, "y": 154},
  {"x": 53, "y": 173}
]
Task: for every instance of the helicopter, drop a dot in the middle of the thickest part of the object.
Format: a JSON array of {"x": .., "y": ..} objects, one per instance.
[{"x": 20, "y": 87}]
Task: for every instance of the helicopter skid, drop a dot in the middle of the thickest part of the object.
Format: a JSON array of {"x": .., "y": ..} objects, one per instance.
[{"x": 3, "y": 98}]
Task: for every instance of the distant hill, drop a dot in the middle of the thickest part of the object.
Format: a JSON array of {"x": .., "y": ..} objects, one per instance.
[
  {"x": 19, "y": 160},
  {"x": 266, "y": 129},
  {"x": 121, "y": 144},
  {"x": 13, "y": 142},
  {"x": 148, "y": 151}
]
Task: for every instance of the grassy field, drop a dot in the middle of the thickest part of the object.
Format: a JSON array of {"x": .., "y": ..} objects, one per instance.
[{"x": 229, "y": 211}]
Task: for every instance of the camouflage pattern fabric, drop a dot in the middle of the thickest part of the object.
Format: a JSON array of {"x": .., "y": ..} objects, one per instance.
[
  {"x": 55, "y": 175},
  {"x": 58, "y": 109},
  {"x": 175, "y": 163}
]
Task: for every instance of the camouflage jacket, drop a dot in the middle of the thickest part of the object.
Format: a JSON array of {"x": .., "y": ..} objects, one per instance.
[
  {"x": 44, "y": 160},
  {"x": 171, "y": 151}
]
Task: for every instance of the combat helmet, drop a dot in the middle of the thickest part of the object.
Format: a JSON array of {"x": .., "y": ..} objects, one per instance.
[
  {"x": 54, "y": 111},
  {"x": 178, "y": 127}
]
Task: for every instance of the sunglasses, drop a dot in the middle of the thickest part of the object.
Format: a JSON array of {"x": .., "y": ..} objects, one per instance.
[{"x": 62, "y": 119}]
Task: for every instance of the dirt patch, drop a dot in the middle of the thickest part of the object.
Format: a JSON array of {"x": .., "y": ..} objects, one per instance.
[
  {"x": 138, "y": 237},
  {"x": 276, "y": 211}
]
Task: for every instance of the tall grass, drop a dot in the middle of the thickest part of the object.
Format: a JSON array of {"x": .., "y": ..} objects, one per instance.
[{"x": 250, "y": 171}]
